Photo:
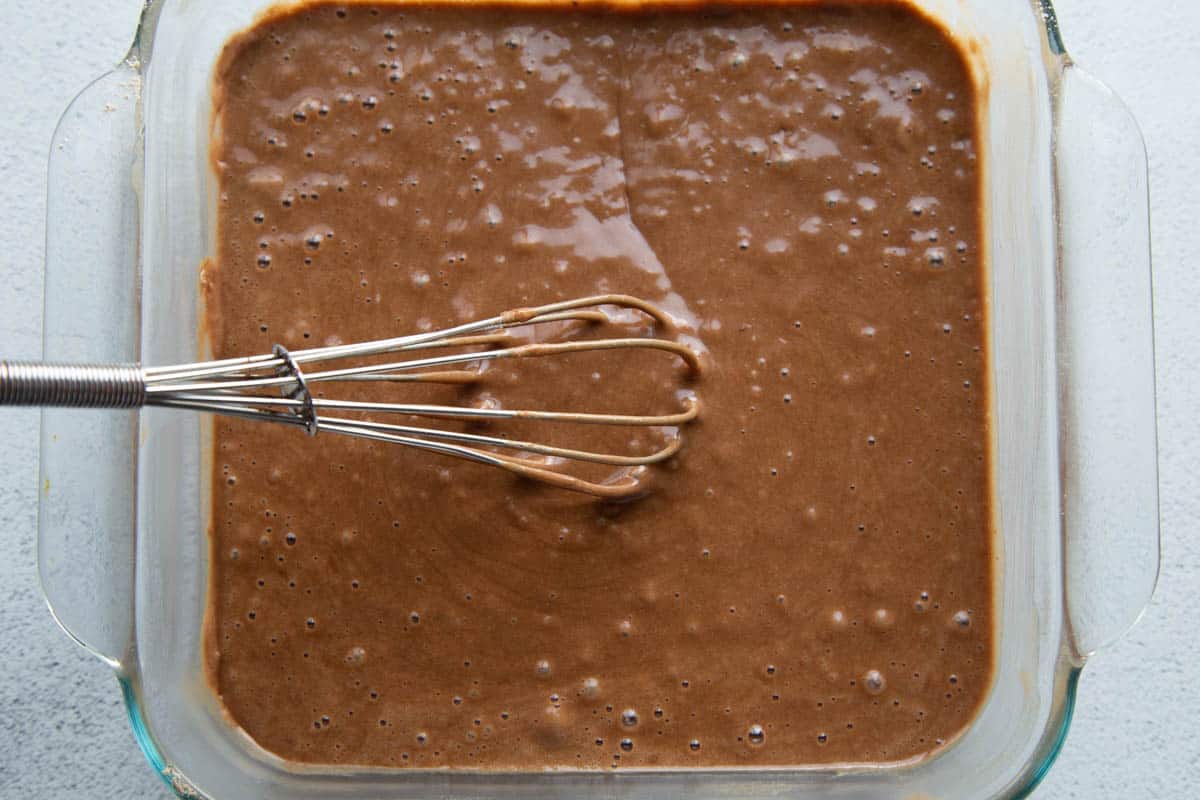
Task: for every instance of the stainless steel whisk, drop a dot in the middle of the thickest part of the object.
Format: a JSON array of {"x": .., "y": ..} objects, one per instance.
[{"x": 244, "y": 387}]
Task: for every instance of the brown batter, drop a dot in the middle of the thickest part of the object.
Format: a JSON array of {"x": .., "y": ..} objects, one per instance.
[{"x": 810, "y": 580}]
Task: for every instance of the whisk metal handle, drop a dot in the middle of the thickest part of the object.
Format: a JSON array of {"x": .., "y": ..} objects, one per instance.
[{"x": 36, "y": 383}]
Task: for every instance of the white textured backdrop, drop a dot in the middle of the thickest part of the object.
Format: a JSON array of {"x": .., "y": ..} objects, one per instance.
[{"x": 1137, "y": 732}]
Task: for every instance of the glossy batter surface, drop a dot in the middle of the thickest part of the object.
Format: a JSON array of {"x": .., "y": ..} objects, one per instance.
[{"x": 810, "y": 580}]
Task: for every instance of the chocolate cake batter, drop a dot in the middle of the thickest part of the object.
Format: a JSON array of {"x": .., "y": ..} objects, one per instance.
[{"x": 809, "y": 581}]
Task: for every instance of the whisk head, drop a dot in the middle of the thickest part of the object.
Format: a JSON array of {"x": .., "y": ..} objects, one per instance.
[{"x": 277, "y": 387}]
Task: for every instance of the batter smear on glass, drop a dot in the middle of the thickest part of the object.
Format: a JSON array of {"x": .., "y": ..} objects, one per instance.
[{"x": 809, "y": 581}]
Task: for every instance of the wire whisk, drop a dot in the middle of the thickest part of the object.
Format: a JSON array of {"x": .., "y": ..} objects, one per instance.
[{"x": 276, "y": 387}]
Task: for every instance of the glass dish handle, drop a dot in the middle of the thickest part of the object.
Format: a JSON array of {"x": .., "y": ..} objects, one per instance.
[
  {"x": 1106, "y": 356},
  {"x": 88, "y": 458}
]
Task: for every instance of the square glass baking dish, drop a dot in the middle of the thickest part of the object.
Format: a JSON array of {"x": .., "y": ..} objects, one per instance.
[{"x": 122, "y": 545}]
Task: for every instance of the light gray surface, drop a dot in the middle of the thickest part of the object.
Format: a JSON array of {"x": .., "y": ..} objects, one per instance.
[{"x": 1137, "y": 730}]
